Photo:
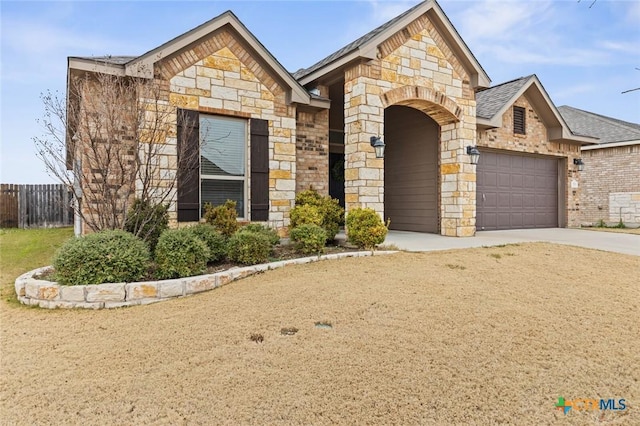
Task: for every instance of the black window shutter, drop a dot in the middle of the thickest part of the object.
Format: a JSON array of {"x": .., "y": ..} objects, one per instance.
[
  {"x": 519, "y": 126},
  {"x": 259, "y": 170},
  {"x": 188, "y": 166}
]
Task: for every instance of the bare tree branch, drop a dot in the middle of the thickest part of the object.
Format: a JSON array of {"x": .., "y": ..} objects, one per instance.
[{"x": 111, "y": 140}]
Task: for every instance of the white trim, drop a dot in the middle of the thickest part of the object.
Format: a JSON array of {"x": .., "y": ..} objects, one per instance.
[{"x": 610, "y": 145}]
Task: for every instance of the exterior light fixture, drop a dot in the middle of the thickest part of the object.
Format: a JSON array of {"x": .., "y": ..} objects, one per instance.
[
  {"x": 474, "y": 153},
  {"x": 579, "y": 163},
  {"x": 378, "y": 145}
]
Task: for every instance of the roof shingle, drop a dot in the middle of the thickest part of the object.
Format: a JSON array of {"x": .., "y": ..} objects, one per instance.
[
  {"x": 607, "y": 129},
  {"x": 490, "y": 101}
]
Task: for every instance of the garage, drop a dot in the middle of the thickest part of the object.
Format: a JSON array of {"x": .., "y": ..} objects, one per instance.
[
  {"x": 411, "y": 170},
  {"x": 516, "y": 191}
]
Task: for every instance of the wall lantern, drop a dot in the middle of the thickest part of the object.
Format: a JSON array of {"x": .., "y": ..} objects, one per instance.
[
  {"x": 378, "y": 145},
  {"x": 578, "y": 162},
  {"x": 474, "y": 153}
]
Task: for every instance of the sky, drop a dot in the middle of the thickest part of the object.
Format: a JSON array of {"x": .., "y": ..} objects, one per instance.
[{"x": 584, "y": 53}]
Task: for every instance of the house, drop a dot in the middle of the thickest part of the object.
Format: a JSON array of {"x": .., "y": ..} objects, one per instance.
[
  {"x": 526, "y": 176},
  {"x": 611, "y": 177},
  {"x": 412, "y": 82}
]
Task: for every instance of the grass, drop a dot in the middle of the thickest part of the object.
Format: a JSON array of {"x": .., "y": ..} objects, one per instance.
[
  {"x": 398, "y": 339},
  {"x": 22, "y": 250}
]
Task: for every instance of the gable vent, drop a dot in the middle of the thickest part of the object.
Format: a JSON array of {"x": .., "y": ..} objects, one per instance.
[{"x": 519, "y": 125}]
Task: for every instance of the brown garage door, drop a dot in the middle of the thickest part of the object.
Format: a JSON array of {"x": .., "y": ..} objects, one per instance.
[
  {"x": 516, "y": 191},
  {"x": 411, "y": 170}
]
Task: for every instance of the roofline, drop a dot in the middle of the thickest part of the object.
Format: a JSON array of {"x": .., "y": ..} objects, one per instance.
[
  {"x": 369, "y": 49},
  {"x": 93, "y": 65},
  {"x": 143, "y": 65},
  {"x": 560, "y": 134},
  {"x": 611, "y": 145}
]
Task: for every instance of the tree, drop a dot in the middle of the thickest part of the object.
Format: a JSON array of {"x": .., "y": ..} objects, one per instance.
[{"x": 111, "y": 140}]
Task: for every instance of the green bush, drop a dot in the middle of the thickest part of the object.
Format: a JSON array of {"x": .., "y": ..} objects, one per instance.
[
  {"x": 365, "y": 229},
  {"x": 215, "y": 241},
  {"x": 107, "y": 256},
  {"x": 331, "y": 213},
  {"x": 180, "y": 253},
  {"x": 223, "y": 217},
  {"x": 147, "y": 221},
  {"x": 305, "y": 214},
  {"x": 270, "y": 233},
  {"x": 309, "y": 239},
  {"x": 308, "y": 196},
  {"x": 248, "y": 247}
]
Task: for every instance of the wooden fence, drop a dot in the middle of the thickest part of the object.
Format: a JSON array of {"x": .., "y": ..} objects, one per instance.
[{"x": 35, "y": 206}]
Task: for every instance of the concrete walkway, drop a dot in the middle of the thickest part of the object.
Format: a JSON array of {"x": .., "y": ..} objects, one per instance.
[{"x": 608, "y": 241}]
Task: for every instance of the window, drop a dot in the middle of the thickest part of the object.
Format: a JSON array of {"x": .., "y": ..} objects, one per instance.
[
  {"x": 519, "y": 124},
  {"x": 220, "y": 172},
  {"x": 223, "y": 142}
]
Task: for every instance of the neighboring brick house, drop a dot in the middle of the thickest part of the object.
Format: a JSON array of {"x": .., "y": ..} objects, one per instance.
[
  {"x": 611, "y": 176},
  {"x": 412, "y": 81}
]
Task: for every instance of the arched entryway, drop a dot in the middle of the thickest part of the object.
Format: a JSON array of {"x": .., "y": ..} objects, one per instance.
[{"x": 411, "y": 170}]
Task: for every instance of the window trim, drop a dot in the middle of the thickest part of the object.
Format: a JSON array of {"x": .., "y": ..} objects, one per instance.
[{"x": 247, "y": 170}]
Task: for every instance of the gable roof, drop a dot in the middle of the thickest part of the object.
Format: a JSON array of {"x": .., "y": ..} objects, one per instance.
[
  {"x": 142, "y": 66},
  {"x": 365, "y": 48},
  {"x": 492, "y": 100},
  {"x": 609, "y": 130},
  {"x": 492, "y": 103}
]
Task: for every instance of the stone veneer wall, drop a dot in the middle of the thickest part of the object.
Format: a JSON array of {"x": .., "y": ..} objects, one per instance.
[
  {"x": 608, "y": 171},
  {"x": 218, "y": 76},
  {"x": 312, "y": 150},
  {"x": 416, "y": 68},
  {"x": 536, "y": 142}
]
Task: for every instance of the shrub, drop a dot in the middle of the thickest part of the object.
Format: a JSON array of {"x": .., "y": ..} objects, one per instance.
[
  {"x": 215, "y": 241},
  {"x": 248, "y": 247},
  {"x": 365, "y": 229},
  {"x": 107, "y": 256},
  {"x": 308, "y": 196},
  {"x": 223, "y": 217},
  {"x": 305, "y": 214},
  {"x": 309, "y": 239},
  {"x": 147, "y": 221},
  {"x": 180, "y": 253},
  {"x": 329, "y": 208},
  {"x": 270, "y": 233}
]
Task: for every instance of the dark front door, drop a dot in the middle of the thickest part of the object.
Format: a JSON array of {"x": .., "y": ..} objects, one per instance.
[{"x": 336, "y": 177}]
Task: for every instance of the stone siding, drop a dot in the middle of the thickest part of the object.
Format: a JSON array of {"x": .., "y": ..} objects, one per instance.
[
  {"x": 536, "y": 141},
  {"x": 624, "y": 206},
  {"x": 609, "y": 171},
  {"x": 220, "y": 77},
  {"x": 417, "y": 69}
]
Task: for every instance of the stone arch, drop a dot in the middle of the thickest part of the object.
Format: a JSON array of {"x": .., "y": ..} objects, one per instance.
[{"x": 442, "y": 109}]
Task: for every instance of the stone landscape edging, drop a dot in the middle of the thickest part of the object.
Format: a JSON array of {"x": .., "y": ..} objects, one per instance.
[{"x": 51, "y": 295}]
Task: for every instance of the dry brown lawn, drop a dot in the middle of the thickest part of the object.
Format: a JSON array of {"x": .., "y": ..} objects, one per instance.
[{"x": 479, "y": 336}]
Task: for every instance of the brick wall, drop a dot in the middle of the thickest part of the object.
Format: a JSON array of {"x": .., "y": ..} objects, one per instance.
[
  {"x": 535, "y": 141},
  {"x": 607, "y": 171},
  {"x": 312, "y": 148}
]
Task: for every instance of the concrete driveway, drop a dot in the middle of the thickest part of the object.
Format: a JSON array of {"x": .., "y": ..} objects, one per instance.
[{"x": 608, "y": 241}]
